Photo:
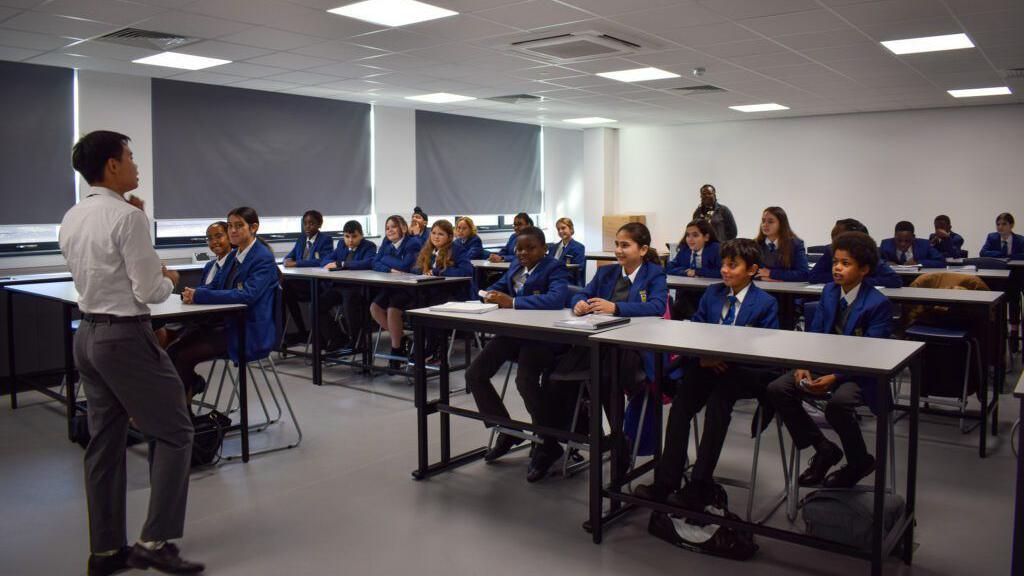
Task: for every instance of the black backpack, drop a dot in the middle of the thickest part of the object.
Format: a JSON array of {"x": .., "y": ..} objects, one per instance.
[
  {"x": 705, "y": 538},
  {"x": 208, "y": 437}
]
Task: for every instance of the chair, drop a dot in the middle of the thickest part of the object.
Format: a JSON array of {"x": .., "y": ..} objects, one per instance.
[
  {"x": 948, "y": 339},
  {"x": 673, "y": 248},
  {"x": 821, "y": 249},
  {"x": 986, "y": 263}
]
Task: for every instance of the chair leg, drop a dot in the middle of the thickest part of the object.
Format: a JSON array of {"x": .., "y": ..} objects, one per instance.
[
  {"x": 639, "y": 435},
  {"x": 963, "y": 396},
  {"x": 259, "y": 395},
  {"x": 572, "y": 427},
  {"x": 753, "y": 468},
  {"x": 793, "y": 497},
  {"x": 504, "y": 388}
]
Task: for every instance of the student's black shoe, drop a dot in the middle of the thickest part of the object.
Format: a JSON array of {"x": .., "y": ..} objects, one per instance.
[
  {"x": 541, "y": 462},
  {"x": 502, "y": 445},
  {"x": 651, "y": 492},
  {"x": 825, "y": 457},
  {"x": 394, "y": 363},
  {"x": 198, "y": 385},
  {"x": 165, "y": 559},
  {"x": 334, "y": 344},
  {"x": 107, "y": 565},
  {"x": 848, "y": 476},
  {"x": 694, "y": 496}
]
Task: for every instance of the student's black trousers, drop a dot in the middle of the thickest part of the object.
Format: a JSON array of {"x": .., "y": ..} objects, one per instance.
[{"x": 353, "y": 310}]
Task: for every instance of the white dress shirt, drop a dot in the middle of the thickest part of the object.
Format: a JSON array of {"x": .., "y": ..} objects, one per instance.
[
  {"x": 214, "y": 269},
  {"x": 632, "y": 277},
  {"x": 739, "y": 303},
  {"x": 241, "y": 254},
  {"x": 851, "y": 296},
  {"x": 519, "y": 281},
  {"x": 106, "y": 243}
]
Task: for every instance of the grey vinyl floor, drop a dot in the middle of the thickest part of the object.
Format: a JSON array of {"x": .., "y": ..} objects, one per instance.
[{"x": 344, "y": 501}]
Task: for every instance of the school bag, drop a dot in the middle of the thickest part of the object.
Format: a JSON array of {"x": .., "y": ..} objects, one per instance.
[
  {"x": 710, "y": 539},
  {"x": 846, "y": 516},
  {"x": 209, "y": 430}
]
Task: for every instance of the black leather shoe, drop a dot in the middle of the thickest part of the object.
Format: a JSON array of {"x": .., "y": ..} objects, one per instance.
[
  {"x": 502, "y": 446},
  {"x": 651, "y": 492},
  {"x": 848, "y": 476},
  {"x": 107, "y": 565},
  {"x": 165, "y": 559},
  {"x": 825, "y": 457},
  {"x": 543, "y": 458}
]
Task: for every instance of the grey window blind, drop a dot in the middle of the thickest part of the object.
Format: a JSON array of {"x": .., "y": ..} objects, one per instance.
[
  {"x": 216, "y": 148},
  {"x": 37, "y": 183},
  {"x": 467, "y": 165}
]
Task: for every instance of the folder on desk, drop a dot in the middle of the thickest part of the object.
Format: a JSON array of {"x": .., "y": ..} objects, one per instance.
[
  {"x": 592, "y": 322},
  {"x": 906, "y": 267},
  {"x": 418, "y": 278},
  {"x": 471, "y": 307}
]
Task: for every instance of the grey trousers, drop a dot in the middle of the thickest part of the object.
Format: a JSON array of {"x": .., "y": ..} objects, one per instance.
[{"x": 126, "y": 374}]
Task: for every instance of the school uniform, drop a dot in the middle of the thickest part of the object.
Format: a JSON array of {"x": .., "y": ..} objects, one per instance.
[
  {"x": 572, "y": 253},
  {"x": 473, "y": 246},
  {"x": 883, "y": 276},
  {"x": 508, "y": 253},
  {"x": 350, "y": 298},
  {"x": 214, "y": 272},
  {"x": 706, "y": 263},
  {"x": 400, "y": 256},
  {"x": 995, "y": 247},
  {"x": 772, "y": 259},
  {"x": 461, "y": 267},
  {"x": 950, "y": 247},
  {"x": 920, "y": 251},
  {"x": 424, "y": 236},
  {"x": 311, "y": 252},
  {"x": 863, "y": 312},
  {"x": 716, "y": 393}
]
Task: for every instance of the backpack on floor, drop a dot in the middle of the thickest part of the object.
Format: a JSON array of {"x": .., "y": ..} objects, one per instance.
[
  {"x": 705, "y": 538},
  {"x": 846, "y": 516},
  {"x": 208, "y": 437}
]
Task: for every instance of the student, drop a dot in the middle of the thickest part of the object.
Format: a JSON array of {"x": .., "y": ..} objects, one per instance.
[
  {"x": 1003, "y": 243},
  {"x": 697, "y": 256},
  {"x": 441, "y": 256},
  {"x": 310, "y": 251},
  {"x": 906, "y": 249},
  {"x": 354, "y": 253},
  {"x": 418, "y": 225},
  {"x": 569, "y": 251},
  {"x": 534, "y": 281},
  {"x": 848, "y": 306},
  {"x": 737, "y": 301},
  {"x": 948, "y": 243},
  {"x": 782, "y": 252},
  {"x": 883, "y": 275},
  {"x": 397, "y": 255},
  {"x": 466, "y": 236},
  {"x": 507, "y": 254}
]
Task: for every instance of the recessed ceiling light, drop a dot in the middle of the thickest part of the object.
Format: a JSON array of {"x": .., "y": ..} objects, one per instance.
[
  {"x": 183, "y": 61},
  {"x": 974, "y": 92},
  {"x": 392, "y": 12},
  {"x": 638, "y": 75},
  {"x": 759, "y": 107},
  {"x": 590, "y": 120},
  {"x": 440, "y": 98},
  {"x": 929, "y": 44}
]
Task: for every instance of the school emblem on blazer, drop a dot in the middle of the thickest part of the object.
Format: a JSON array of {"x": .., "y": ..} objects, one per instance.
[
  {"x": 643, "y": 295},
  {"x": 858, "y": 331},
  {"x": 239, "y": 286},
  {"x": 536, "y": 292},
  {"x": 316, "y": 255}
]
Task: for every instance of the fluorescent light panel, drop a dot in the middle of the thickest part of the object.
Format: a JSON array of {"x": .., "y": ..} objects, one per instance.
[
  {"x": 183, "y": 61},
  {"x": 392, "y": 12},
  {"x": 440, "y": 98},
  {"x": 590, "y": 120},
  {"x": 975, "y": 92},
  {"x": 638, "y": 75},
  {"x": 929, "y": 44},
  {"x": 759, "y": 107}
]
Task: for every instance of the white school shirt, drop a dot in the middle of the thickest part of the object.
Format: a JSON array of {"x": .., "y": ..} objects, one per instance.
[
  {"x": 215, "y": 268},
  {"x": 519, "y": 281},
  {"x": 736, "y": 307}
]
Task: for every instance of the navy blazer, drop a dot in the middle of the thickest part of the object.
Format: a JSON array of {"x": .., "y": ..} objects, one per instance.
[
  {"x": 951, "y": 247},
  {"x": 508, "y": 253},
  {"x": 403, "y": 258},
  {"x": 924, "y": 253},
  {"x": 546, "y": 288},
  {"x": 870, "y": 315},
  {"x": 424, "y": 236},
  {"x": 474, "y": 247},
  {"x": 362, "y": 260},
  {"x": 798, "y": 268},
  {"x": 254, "y": 283},
  {"x": 710, "y": 261},
  {"x": 993, "y": 247},
  {"x": 647, "y": 296},
  {"x": 883, "y": 275},
  {"x": 759, "y": 308},
  {"x": 218, "y": 278},
  {"x": 461, "y": 268},
  {"x": 573, "y": 253},
  {"x": 318, "y": 256}
]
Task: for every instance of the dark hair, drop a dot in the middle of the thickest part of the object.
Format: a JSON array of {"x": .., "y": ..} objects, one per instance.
[
  {"x": 905, "y": 226},
  {"x": 418, "y": 210},
  {"x": 351, "y": 227},
  {"x": 90, "y": 154},
  {"x": 219, "y": 224},
  {"x": 533, "y": 232},
  {"x": 786, "y": 235},
  {"x": 639, "y": 233},
  {"x": 943, "y": 219},
  {"x": 245, "y": 213},
  {"x": 742, "y": 249},
  {"x": 705, "y": 229},
  {"x": 525, "y": 218},
  {"x": 848, "y": 225},
  {"x": 711, "y": 186},
  {"x": 403, "y": 226},
  {"x": 317, "y": 217},
  {"x": 1005, "y": 216},
  {"x": 860, "y": 246}
]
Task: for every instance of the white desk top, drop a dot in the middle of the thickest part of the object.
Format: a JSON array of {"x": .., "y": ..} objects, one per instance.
[
  {"x": 367, "y": 277},
  {"x": 540, "y": 320},
  {"x": 996, "y": 274},
  {"x": 878, "y": 356},
  {"x": 57, "y": 276},
  {"x": 492, "y": 265},
  {"x": 65, "y": 292}
]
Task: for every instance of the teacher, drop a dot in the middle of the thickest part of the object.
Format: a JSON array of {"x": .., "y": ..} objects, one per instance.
[{"x": 718, "y": 215}]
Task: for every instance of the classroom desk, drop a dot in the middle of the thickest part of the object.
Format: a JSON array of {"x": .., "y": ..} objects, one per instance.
[
  {"x": 22, "y": 279},
  {"x": 365, "y": 279},
  {"x": 482, "y": 267},
  {"x": 984, "y": 273},
  {"x": 610, "y": 256},
  {"x": 65, "y": 294},
  {"x": 984, "y": 304},
  {"x": 1017, "y": 566},
  {"x": 880, "y": 359}
]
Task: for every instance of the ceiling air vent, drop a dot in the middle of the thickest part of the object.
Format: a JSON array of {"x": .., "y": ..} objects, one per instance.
[
  {"x": 702, "y": 89},
  {"x": 147, "y": 39},
  {"x": 576, "y": 46},
  {"x": 516, "y": 99},
  {"x": 1014, "y": 73}
]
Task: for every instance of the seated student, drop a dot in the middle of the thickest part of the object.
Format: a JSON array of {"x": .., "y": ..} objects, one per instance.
[
  {"x": 441, "y": 256},
  {"x": 849, "y": 307},
  {"x": 418, "y": 225},
  {"x": 467, "y": 237},
  {"x": 310, "y": 250},
  {"x": 948, "y": 243},
  {"x": 507, "y": 254},
  {"x": 397, "y": 255},
  {"x": 569, "y": 251},
  {"x": 534, "y": 281},
  {"x": 782, "y": 252},
  {"x": 354, "y": 253},
  {"x": 906, "y": 249},
  {"x": 882, "y": 276},
  {"x": 737, "y": 301},
  {"x": 250, "y": 278},
  {"x": 697, "y": 256},
  {"x": 1003, "y": 243}
]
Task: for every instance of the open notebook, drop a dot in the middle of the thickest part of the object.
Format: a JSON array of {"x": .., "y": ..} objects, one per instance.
[
  {"x": 464, "y": 307},
  {"x": 592, "y": 322}
]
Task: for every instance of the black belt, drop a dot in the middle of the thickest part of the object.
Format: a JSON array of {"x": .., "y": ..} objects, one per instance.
[{"x": 111, "y": 319}]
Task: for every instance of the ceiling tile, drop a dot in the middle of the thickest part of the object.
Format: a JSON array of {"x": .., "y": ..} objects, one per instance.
[
  {"x": 744, "y": 48},
  {"x": 670, "y": 18},
  {"x": 304, "y": 78},
  {"x": 271, "y": 38},
  {"x": 1001, "y": 20},
  {"x": 96, "y": 49},
  {"x": 850, "y": 52},
  {"x": 545, "y": 73},
  {"x": 534, "y": 14},
  {"x": 342, "y": 51},
  {"x": 755, "y": 8},
  {"x": 613, "y": 7},
  {"x": 19, "y": 39},
  {"x": 6, "y": 13},
  {"x": 795, "y": 23},
  {"x": 204, "y": 77},
  {"x": 975, "y": 6},
  {"x": 111, "y": 11},
  {"x": 842, "y": 37},
  {"x": 223, "y": 50},
  {"x": 460, "y": 28},
  {"x": 249, "y": 70},
  {"x": 397, "y": 61},
  {"x": 24, "y": 4},
  {"x": 188, "y": 24},
  {"x": 290, "y": 61},
  {"x": 697, "y": 36},
  {"x": 870, "y": 13},
  {"x": 453, "y": 53},
  {"x": 396, "y": 40},
  {"x": 760, "y": 61},
  {"x": 347, "y": 70},
  {"x": 467, "y": 6},
  {"x": 17, "y": 54},
  {"x": 58, "y": 25},
  {"x": 261, "y": 84},
  {"x": 912, "y": 28}
]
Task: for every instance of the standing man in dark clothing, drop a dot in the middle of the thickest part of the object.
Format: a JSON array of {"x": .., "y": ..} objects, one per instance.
[{"x": 718, "y": 215}]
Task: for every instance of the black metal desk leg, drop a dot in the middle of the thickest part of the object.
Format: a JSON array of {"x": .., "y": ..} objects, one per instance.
[
  {"x": 916, "y": 371},
  {"x": 12, "y": 373},
  {"x": 655, "y": 401},
  {"x": 883, "y": 386},
  {"x": 615, "y": 419},
  {"x": 1018, "y": 516},
  {"x": 596, "y": 431},
  {"x": 243, "y": 385},
  {"x": 314, "y": 331},
  {"x": 69, "y": 370},
  {"x": 420, "y": 384},
  {"x": 445, "y": 395}
]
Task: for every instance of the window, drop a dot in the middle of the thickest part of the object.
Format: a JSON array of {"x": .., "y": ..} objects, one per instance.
[{"x": 192, "y": 232}]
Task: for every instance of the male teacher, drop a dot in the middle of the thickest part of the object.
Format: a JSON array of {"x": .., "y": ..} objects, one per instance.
[{"x": 125, "y": 374}]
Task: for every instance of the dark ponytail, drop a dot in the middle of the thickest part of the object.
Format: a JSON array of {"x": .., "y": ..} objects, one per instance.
[{"x": 639, "y": 233}]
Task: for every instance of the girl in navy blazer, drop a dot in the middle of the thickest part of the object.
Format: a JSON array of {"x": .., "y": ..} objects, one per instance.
[
  {"x": 1003, "y": 243},
  {"x": 508, "y": 253},
  {"x": 440, "y": 256},
  {"x": 355, "y": 252},
  {"x": 568, "y": 251},
  {"x": 466, "y": 236},
  {"x": 782, "y": 253},
  {"x": 698, "y": 255},
  {"x": 396, "y": 255}
]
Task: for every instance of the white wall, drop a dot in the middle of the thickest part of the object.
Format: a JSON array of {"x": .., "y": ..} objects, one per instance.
[
  {"x": 600, "y": 180},
  {"x": 563, "y": 180},
  {"x": 876, "y": 167}
]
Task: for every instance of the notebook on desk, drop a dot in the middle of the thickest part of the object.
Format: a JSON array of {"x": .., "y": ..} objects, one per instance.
[
  {"x": 906, "y": 267},
  {"x": 592, "y": 322},
  {"x": 470, "y": 307},
  {"x": 418, "y": 278}
]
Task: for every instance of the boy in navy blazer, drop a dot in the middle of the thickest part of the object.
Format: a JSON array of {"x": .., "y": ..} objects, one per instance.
[
  {"x": 883, "y": 276},
  {"x": 355, "y": 252},
  {"x": 311, "y": 250},
  {"x": 568, "y": 251},
  {"x": 850, "y": 307},
  {"x": 905, "y": 248},
  {"x": 1003, "y": 243},
  {"x": 418, "y": 225},
  {"x": 737, "y": 301},
  {"x": 946, "y": 242},
  {"x": 508, "y": 253},
  {"x": 534, "y": 282}
]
